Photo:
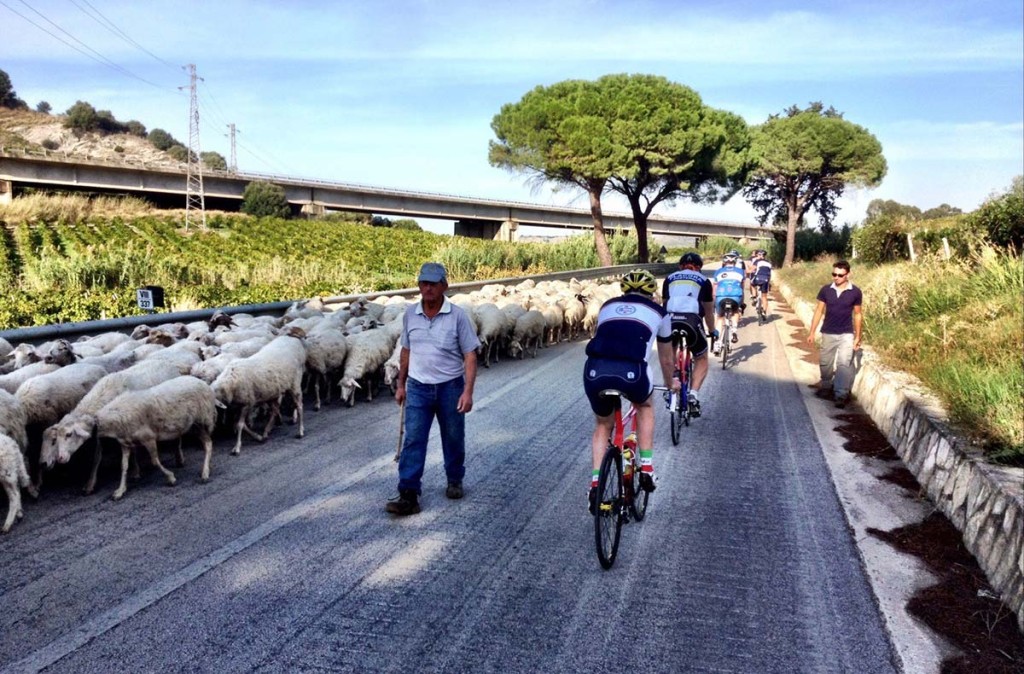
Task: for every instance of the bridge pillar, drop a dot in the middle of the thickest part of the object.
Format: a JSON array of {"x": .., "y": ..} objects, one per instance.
[
  {"x": 6, "y": 192},
  {"x": 507, "y": 230}
]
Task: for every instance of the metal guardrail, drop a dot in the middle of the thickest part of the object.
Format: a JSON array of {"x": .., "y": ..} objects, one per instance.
[{"x": 71, "y": 331}]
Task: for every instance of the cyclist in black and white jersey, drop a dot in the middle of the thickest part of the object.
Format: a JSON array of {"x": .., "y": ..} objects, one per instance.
[
  {"x": 688, "y": 298},
  {"x": 761, "y": 276}
]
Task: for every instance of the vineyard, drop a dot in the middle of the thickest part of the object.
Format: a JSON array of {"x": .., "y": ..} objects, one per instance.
[{"x": 73, "y": 264}]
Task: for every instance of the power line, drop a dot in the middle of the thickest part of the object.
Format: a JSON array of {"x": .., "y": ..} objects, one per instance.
[
  {"x": 99, "y": 58},
  {"x": 99, "y": 18}
]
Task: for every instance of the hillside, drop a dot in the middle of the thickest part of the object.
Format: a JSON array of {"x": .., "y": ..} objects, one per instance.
[{"x": 26, "y": 131}]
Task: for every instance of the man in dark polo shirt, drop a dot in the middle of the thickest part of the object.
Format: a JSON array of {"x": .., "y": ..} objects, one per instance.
[
  {"x": 840, "y": 304},
  {"x": 436, "y": 374}
]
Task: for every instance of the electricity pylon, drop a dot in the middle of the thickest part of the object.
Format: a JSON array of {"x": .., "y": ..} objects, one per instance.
[{"x": 194, "y": 197}]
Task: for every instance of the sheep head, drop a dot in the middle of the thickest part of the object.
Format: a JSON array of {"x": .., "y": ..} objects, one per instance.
[
  {"x": 348, "y": 390},
  {"x": 63, "y": 439},
  {"x": 61, "y": 353}
]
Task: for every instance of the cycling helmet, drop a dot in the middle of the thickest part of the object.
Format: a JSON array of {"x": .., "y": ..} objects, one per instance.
[
  {"x": 639, "y": 280},
  {"x": 691, "y": 259},
  {"x": 729, "y": 258},
  {"x": 733, "y": 253}
]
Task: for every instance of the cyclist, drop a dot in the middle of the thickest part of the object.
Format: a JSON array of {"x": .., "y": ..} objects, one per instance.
[
  {"x": 761, "y": 276},
  {"x": 627, "y": 326},
  {"x": 688, "y": 298},
  {"x": 728, "y": 284},
  {"x": 749, "y": 271}
]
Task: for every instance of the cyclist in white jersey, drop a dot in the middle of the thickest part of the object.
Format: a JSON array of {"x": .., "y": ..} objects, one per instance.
[{"x": 688, "y": 296}]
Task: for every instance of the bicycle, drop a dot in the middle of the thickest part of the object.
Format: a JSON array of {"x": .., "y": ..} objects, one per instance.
[
  {"x": 762, "y": 316},
  {"x": 619, "y": 496},
  {"x": 679, "y": 405},
  {"x": 729, "y": 307}
]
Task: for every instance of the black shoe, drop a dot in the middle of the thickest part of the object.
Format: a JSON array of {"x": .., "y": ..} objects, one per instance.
[
  {"x": 454, "y": 490},
  {"x": 694, "y": 407},
  {"x": 647, "y": 482},
  {"x": 824, "y": 394},
  {"x": 842, "y": 401},
  {"x": 735, "y": 338},
  {"x": 406, "y": 503},
  {"x": 592, "y": 500}
]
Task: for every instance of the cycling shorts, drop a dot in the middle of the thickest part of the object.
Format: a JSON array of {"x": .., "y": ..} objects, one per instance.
[
  {"x": 626, "y": 376},
  {"x": 763, "y": 285},
  {"x": 721, "y": 302},
  {"x": 690, "y": 325}
]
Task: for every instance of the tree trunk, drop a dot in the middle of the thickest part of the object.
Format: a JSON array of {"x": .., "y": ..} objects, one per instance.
[
  {"x": 640, "y": 227},
  {"x": 604, "y": 254},
  {"x": 792, "y": 220}
]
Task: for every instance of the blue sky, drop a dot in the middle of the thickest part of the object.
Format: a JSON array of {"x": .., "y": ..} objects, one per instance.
[{"x": 401, "y": 94}]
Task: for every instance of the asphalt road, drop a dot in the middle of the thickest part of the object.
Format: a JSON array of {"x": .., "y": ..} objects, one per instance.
[{"x": 286, "y": 560}]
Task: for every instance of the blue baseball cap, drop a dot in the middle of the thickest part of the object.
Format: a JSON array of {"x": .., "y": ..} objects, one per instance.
[{"x": 432, "y": 272}]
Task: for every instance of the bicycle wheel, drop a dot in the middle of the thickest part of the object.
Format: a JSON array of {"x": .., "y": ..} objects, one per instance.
[
  {"x": 684, "y": 394},
  {"x": 675, "y": 417},
  {"x": 725, "y": 344},
  {"x": 638, "y": 506},
  {"x": 608, "y": 518}
]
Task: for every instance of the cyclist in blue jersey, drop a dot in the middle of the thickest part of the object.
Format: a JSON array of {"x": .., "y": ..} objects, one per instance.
[
  {"x": 627, "y": 328},
  {"x": 688, "y": 298},
  {"x": 761, "y": 276},
  {"x": 728, "y": 283}
]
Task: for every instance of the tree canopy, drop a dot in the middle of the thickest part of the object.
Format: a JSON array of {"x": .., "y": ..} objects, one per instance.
[
  {"x": 264, "y": 199},
  {"x": 804, "y": 159},
  {"x": 641, "y": 135},
  {"x": 9, "y": 97}
]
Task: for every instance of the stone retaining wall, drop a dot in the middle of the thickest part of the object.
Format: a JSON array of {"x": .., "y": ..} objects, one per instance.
[{"x": 984, "y": 502}]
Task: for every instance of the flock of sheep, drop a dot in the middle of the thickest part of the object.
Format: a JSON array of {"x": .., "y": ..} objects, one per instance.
[{"x": 160, "y": 383}]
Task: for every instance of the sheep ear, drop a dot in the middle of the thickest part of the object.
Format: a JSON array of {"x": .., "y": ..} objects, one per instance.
[{"x": 81, "y": 431}]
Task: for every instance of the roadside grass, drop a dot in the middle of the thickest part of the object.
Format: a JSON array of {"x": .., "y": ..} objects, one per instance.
[{"x": 957, "y": 325}]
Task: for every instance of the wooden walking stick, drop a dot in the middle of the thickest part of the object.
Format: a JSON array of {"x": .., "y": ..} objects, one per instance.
[{"x": 401, "y": 430}]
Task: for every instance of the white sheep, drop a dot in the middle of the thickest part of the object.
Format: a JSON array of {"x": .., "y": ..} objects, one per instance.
[
  {"x": 491, "y": 322},
  {"x": 304, "y": 309},
  {"x": 14, "y": 478},
  {"x": 105, "y": 340},
  {"x": 166, "y": 411},
  {"x": 326, "y": 349},
  {"x": 5, "y": 348},
  {"x": 208, "y": 370},
  {"x": 392, "y": 366},
  {"x": 575, "y": 311},
  {"x": 64, "y": 438},
  {"x": 263, "y": 378},
  {"x": 12, "y": 419},
  {"x": 529, "y": 329},
  {"x": 184, "y": 354},
  {"x": 10, "y": 382},
  {"x": 367, "y": 353},
  {"x": 50, "y": 396},
  {"x": 63, "y": 353},
  {"x": 554, "y": 317}
]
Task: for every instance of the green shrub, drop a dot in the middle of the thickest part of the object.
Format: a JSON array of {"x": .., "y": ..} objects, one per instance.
[
  {"x": 50, "y": 144},
  {"x": 161, "y": 140},
  {"x": 214, "y": 160},
  {"x": 44, "y": 107},
  {"x": 136, "y": 128},
  {"x": 880, "y": 240},
  {"x": 179, "y": 153},
  {"x": 81, "y": 117},
  {"x": 1002, "y": 217},
  {"x": 263, "y": 199}
]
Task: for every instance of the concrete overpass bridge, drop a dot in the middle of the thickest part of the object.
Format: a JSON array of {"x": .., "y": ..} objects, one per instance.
[{"x": 481, "y": 218}]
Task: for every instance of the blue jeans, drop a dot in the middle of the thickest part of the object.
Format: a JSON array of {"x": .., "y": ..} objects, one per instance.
[
  {"x": 836, "y": 361},
  {"x": 422, "y": 403}
]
